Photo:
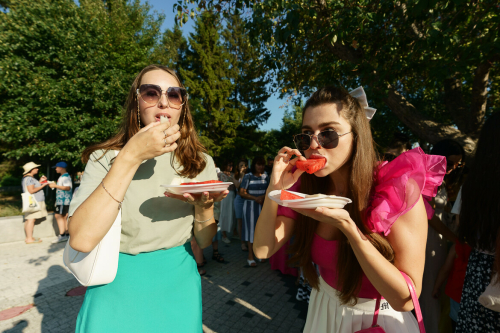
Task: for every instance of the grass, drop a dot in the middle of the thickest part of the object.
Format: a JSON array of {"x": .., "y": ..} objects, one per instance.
[{"x": 11, "y": 204}]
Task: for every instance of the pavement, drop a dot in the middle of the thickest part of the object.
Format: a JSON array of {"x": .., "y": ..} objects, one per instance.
[{"x": 236, "y": 298}]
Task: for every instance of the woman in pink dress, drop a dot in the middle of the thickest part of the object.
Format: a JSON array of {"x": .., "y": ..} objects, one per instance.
[{"x": 361, "y": 249}]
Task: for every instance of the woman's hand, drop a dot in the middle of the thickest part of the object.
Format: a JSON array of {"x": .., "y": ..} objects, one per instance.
[
  {"x": 282, "y": 176},
  {"x": 337, "y": 217},
  {"x": 151, "y": 141},
  {"x": 260, "y": 199},
  {"x": 204, "y": 200},
  {"x": 243, "y": 169}
]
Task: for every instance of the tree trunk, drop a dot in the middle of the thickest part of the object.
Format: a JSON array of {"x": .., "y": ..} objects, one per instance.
[{"x": 423, "y": 127}]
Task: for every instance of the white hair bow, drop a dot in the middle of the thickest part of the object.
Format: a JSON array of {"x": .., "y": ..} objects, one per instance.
[{"x": 359, "y": 94}]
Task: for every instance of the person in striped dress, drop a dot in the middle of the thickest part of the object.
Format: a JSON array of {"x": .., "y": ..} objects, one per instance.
[{"x": 253, "y": 190}]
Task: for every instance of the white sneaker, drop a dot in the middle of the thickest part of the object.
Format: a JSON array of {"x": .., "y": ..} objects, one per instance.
[
  {"x": 60, "y": 239},
  {"x": 226, "y": 240}
]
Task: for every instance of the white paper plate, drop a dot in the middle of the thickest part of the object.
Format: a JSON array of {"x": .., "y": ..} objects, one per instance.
[
  {"x": 197, "y": 188},
  {"x": 331, "y": 201}
]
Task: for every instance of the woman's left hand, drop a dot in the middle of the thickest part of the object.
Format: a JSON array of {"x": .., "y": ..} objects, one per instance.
[
  {"x": 204, "y": 200},
  {"x": 337, "y": 217}
]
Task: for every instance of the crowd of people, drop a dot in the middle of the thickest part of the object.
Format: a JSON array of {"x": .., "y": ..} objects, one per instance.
[{"x": 416, "y": 220}]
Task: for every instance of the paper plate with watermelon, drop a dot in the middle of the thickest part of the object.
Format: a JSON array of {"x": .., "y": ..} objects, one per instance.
[
  {"x": 300, "y": 200},
  {"x": 194, "y": 186}
]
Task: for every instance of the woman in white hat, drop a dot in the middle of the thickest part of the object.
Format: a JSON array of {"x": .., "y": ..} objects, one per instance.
[{"x": 33, "y": 186}]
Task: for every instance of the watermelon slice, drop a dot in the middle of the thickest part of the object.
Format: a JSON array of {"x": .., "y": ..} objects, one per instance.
[
  {"x": 285, "y": 195},
  {"x": 205, "y": 182},
  {"x": 312, "y": 164}
]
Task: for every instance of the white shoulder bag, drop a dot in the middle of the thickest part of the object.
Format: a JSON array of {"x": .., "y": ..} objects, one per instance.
[
  {"x": 30, "y": 205},
  {"x": 98, "y": 266}
]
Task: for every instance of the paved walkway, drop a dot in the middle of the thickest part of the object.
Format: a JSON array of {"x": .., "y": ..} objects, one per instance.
[{"x": 236, "y": 298}]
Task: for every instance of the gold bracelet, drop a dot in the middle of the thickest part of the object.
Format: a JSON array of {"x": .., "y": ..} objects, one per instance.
[
  {"x": 119, "y": 203},
  {"x": 195, "y": 220}
]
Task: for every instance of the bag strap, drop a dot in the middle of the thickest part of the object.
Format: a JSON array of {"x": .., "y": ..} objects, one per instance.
[
  {"x": 416, "y": 304},
  {"x": 377, "y": 309},
  {"x": 24, "y": 186},
  {"x": 414, "y": 299}
]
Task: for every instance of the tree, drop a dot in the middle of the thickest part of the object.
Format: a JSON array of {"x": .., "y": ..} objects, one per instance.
[
  {"x": 209, "y": 77},
  {"x": 274, "y": 139},
  {"x": 250, "y": 91},
  {"x": 432, "y": 64},
  {"x": 171, "y": 51},
  {"x": 65, "y": 71}
]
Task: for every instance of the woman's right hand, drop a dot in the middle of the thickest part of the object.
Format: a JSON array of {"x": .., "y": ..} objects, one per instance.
[
  {"x": 282, "y": 176},
  {"x": 151, "y": 141}
]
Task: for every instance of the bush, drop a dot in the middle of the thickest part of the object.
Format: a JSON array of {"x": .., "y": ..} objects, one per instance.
[{"x": 9, "y": 180}]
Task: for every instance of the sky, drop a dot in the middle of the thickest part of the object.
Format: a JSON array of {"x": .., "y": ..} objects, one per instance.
[{"x": 274, "y": 104}]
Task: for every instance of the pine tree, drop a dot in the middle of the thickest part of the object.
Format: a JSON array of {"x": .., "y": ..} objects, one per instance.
[
  {"x": 250, "y": 91},
  {"x": 209, "y": 76},
  {"x": 171, "y": 51}
]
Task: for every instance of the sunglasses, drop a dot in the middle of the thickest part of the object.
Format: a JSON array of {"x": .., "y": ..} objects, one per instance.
[
  {"x": 151, "y": 94},
  {"x": 327, "y": 139}
]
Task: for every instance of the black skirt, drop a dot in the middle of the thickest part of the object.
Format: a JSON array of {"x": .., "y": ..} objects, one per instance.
[{"x": 472, "y": 316}]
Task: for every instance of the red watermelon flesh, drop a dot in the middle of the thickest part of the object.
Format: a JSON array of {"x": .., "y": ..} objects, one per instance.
[
  {"x": 285, "y": 195},
  {"x": 205, "y": 182},
  {"x": 312, "y": 164}
]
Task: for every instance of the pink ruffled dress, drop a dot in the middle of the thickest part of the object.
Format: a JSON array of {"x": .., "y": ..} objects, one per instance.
[{"x": 397, "y": 188}]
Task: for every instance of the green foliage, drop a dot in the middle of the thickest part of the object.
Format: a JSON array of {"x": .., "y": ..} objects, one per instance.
[
  {"x": 9, "y": 180},
  {"x": 250, "y": 91},
  {"x": 274, "y": 140},
  {"x": 65, "y": 71},
  {"x": 171, "y": 51},
  {"x": 208, "y": 79},
  {"x": 413, "y": 47}
]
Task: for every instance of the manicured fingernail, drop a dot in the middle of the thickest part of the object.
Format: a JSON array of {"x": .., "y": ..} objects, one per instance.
[{"x": 166, "y": 194}]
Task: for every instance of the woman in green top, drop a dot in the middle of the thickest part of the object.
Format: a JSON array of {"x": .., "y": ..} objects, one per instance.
[{"x": 157, "y": 287}]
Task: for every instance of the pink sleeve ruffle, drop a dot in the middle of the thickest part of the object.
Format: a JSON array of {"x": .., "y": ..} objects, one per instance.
[
  {"x": 288, "y": 212},
  {"x": 399, "y": 184}
]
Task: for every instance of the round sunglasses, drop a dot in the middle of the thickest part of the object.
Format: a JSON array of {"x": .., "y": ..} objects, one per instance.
[
  {"x": 327, "y": 139},
  {"x": 151, "y": 94}
]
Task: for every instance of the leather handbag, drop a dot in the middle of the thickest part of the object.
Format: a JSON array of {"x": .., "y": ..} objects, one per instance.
[
  {"x": 100, "y": 265},
  {"x": 377, "y": 329}
]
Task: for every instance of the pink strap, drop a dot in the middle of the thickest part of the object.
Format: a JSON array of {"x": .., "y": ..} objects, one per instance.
[
  {"x": 416, "y": 305},
  {"x": 377, "y": 308}
]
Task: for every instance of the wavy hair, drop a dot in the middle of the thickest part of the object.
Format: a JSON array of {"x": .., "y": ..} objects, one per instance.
[
  {"x": 362, "y": 163},
  {"x": 189, "y": 148}
]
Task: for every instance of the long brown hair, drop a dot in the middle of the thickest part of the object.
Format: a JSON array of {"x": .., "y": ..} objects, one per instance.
[
  {"x": 361, "y": 166},
  {"x": 189, "y": 149}
]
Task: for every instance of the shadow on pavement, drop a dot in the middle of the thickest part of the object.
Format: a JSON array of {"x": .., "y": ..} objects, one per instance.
[
  {"x": 59, "y": 311},
  {"x": 18, "y": 328}
]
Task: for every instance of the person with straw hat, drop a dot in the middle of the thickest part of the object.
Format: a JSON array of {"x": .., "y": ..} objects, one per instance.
[{"x": 33, "y": 186}]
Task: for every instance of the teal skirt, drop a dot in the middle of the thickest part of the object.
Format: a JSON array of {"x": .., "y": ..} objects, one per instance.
[{"x": 156, "y": 291}]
